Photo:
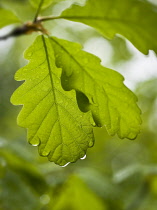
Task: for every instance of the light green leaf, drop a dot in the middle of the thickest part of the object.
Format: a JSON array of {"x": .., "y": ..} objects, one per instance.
[
  {"x": 134, "y": 19},
  {"x": 111, "y": 102},
  {"x": 121, "y": 52},
  {"x": 7, "y": 18},
  {"x": 82, "y": 197},
  {"x": 46, "y": 3},
  {"x": 54, "y": 121}
]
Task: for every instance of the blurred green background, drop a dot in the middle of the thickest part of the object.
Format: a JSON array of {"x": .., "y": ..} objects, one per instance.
[{"x": 116, "y": 174}]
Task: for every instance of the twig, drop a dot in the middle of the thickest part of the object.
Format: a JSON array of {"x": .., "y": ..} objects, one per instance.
[
  {"x": 27, "y": 28},
  {"x": 38, "y": 10},
  {"x": 47, "y": 18}
]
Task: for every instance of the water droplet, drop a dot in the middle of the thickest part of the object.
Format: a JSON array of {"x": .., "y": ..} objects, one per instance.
[
  {"x": 93, "y": 124},
  {"x": 45, "y": 153},
  {"x": 45, "y": 199},
  {"x": 3, "y": 163},
  {"x": 84, "y": 157},
  {"x": 65, "y": 165},
  {"x": 91, "y": 143},
  {"x": 2, "y": 142},
  {"x": 34, "y": 145}
]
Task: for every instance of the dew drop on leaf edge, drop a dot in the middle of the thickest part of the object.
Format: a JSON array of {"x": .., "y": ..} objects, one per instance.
[
  {"x": 34, "y": 145},
  {"x": 65, "y": 165},
  {"x": 91, "y": 143},
  {"x": 84, "y": 157}
]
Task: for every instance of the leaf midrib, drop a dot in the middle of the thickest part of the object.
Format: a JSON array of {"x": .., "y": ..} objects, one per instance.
[
  {"x": 52, "y": 83},
  {"x": 53, "y": 89},
  {"x": 125, "y": 21}
]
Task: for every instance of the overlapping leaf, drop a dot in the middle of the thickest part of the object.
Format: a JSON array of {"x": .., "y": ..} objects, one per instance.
[
  {"x": 111, "y": 102},
  {"x": 7, "y": 18},
  {"x": 54, "y": 121},
  {"x": 134, "y": 19},
  {"x": 45, "y": 3}
]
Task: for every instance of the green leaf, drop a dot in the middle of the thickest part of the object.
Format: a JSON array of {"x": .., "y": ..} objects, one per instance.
[
  {"x": 83, "y": 196},
  {"x": 134, "y": 19},
  {"x": 16, "y": 193},
  {"x": 121, "y": 52},
  {"x": 111, "y": 102},
  {"x": 54, "y": 121},
  {"x": 46, "y": 3},
  {"x": 7, "y": 18},
  {"x": 16, "y": 157}
]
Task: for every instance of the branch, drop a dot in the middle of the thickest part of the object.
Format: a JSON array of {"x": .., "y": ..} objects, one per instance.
[
  {"x": 38, "y": 11},
  {"x": 30, "y": 27},
  {"x": 47, "y": 18},
  {"x": 26, "y": 28}
]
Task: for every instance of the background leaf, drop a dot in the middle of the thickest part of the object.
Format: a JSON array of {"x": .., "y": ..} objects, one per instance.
[
  {"x": 19, "y": 177},
  {"x": 121, "y": 53},
  {"x": 54, "y": 122},
  {"x": 7, "y": 18},
  {"x": 83, "y": 197},
  {"x": 111, "y": 102},
  {"x": 125, "y": 17},
  {"x": 45, "y": 4}
]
